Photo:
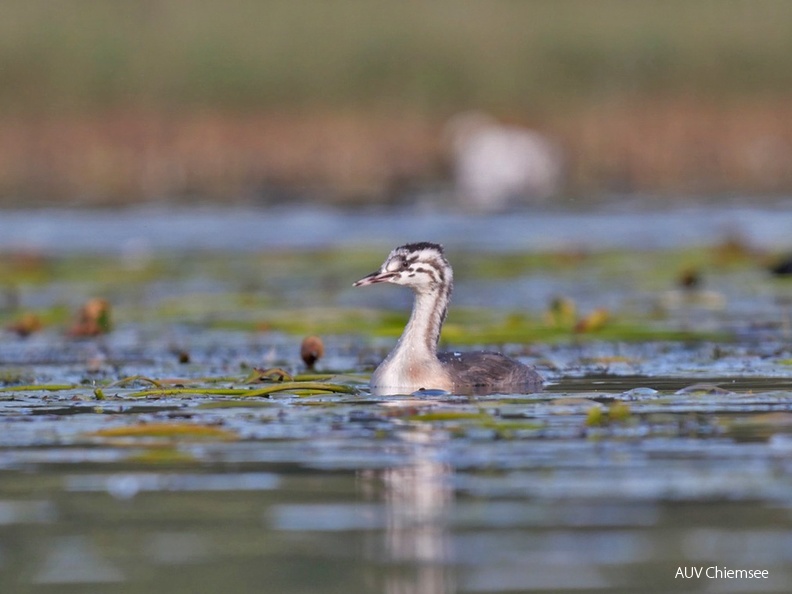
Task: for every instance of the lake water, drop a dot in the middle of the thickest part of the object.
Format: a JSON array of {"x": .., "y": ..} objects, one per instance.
[
  {"x": 641, "y": 458},
  {"x": 247, "y": 229}
]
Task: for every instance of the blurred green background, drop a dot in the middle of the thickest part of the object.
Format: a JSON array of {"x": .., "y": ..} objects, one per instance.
[{"x": 347, "y": 101}]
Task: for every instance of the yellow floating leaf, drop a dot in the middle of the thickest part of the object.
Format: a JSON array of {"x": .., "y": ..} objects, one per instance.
[
  {"x": 27, "y": 324},
  {"x": 595, "y": 418},
  {"x": 608, "y": 359},
  {"x": 168, "y": 430},
  {"x": 619, "y": 411},
  {"x": 93, "y": 319},
  {"x": 594, "y": 321}
]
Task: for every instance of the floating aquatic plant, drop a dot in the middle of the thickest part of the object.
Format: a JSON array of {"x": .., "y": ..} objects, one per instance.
[
  {"x": 617, "y": 412},
  {"x": 304, "y": 387},
  {"x": 38, "y": 388},
  {"x": 27, "y": 324},
  {"x": 273, "y": 374},
  {"x": 167, "y": 430},
  {"x": 93, "y": 319}
]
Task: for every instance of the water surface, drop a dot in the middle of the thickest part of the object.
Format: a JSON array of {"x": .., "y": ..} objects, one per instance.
[{"x": 662, "y": 441}]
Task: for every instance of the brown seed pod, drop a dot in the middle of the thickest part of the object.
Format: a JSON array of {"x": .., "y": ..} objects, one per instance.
[{"x": 311, "y": 350}]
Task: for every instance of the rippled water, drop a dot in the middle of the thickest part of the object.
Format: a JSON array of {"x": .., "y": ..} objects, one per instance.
[
  {"x": 503, "y": 493},
  {"x": 638, "y": 459}
]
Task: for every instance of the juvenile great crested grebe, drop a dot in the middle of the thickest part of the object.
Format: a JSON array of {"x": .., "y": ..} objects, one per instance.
[{"x": 415, "y": 363}]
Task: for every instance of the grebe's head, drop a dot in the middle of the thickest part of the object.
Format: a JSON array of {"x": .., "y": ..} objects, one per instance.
[{"x": 420, "y": 266}]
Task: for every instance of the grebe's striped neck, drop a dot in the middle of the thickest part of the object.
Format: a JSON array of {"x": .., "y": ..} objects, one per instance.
[
  {"x": 428, "y": 314},
  {"x": 424, "y": 268}
]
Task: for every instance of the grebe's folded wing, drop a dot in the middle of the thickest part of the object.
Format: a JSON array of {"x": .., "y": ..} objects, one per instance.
[{"x": 490, "y": 369}]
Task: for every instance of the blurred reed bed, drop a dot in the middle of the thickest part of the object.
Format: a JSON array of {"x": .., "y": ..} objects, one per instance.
[
  {"x": 106, "y": 102},
  {"x": 671, "y": 147}
]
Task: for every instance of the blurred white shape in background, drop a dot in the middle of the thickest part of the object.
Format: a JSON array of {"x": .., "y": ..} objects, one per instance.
[{"x": 498, "y": 165}]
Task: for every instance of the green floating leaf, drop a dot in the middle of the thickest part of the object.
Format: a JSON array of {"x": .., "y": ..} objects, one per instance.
[
  {"x": 274, "y": 374},
  {"x": 135, "y": 378},
  {"x": 247, "y": 392},
  {"x": 38, "y": 387},
  {"x": 313, "y": 377},
  {"x": 191, "y": 391},
  {"x": 302, "y": 386}
]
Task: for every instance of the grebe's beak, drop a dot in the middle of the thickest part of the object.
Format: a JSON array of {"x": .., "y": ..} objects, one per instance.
[{"x": 375, "y": 277}]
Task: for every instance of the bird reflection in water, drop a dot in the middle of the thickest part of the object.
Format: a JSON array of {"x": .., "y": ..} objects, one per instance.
[{"x": 418, "y": 497}]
